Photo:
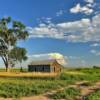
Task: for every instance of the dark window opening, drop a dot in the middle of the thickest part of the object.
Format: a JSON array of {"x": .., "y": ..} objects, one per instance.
[{"x": 39, "y": 68}]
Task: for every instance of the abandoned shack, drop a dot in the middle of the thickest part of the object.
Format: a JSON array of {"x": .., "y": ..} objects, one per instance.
[{"x": 44, "y": 66}]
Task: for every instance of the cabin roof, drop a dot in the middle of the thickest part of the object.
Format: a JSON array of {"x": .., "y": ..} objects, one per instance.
[{"x": 43, "y": 62}]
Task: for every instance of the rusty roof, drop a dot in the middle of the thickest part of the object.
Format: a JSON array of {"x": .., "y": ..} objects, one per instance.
[{"x": 43, "y": 62}]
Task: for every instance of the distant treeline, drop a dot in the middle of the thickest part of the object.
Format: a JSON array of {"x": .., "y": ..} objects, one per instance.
[{"x": 96, "y": 66}]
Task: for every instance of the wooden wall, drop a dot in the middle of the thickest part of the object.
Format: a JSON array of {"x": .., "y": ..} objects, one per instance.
[{"x": 54, "y": 67}]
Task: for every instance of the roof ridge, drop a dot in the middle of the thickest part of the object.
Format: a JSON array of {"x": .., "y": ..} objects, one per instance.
[{"x": 43, "y": 61}]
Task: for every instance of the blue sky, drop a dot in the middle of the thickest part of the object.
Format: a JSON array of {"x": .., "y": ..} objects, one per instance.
[{"x": 67, "y": 27}]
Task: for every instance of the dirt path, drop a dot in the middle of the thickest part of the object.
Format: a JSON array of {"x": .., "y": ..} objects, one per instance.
[{"x": 85, "y": 91}]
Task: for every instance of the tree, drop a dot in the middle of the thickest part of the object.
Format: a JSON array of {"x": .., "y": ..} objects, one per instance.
[
  {"x": 18, "y": 54},
  {"x": 10, "y": 32}
]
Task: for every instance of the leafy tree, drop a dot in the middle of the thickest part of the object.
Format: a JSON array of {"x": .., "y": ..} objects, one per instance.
[
  {"x": 10, "y": 32},
  {"x": 18, "y": 54}
]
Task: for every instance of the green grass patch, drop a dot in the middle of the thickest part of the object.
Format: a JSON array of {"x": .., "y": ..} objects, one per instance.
[
  {"x": 94, "y": 96},
  {"x": 67, "y": 93},
  {"x": 19, "y": 86}
]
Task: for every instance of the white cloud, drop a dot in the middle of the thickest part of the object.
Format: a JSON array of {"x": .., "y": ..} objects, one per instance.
[
  {"x": 59, "y": 57},
  {"x": 89, "y": 1},
  {"x": 89, "y": 5},
  {"x": 44, "y": 20},
  {"x": 75, "y": 9},
  {"x": 45, "y": 31},
  {"x": 60, "y": 13},
  {"x": 74, "y": 57},
  {"x": 95, "y": 52},
  {"x": 84, "y": 9},
  {"x": 83, "y": 30},
  {"x": 95, "y": 45}
]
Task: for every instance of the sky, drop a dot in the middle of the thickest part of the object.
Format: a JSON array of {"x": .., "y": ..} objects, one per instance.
[{"x": 67, "y": 30}]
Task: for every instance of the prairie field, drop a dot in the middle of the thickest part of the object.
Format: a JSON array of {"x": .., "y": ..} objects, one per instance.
[{"x": 70, "y": 84}]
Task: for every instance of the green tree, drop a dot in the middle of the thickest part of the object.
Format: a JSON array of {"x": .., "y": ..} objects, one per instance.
[
  {"x": 18, "y": 54},
  {"x": 10, "y": 32}
]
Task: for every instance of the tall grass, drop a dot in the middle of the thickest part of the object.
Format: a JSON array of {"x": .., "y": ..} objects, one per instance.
[
  {"x": 17, "y": 87},
  {"x": 27, "y": 86},
  {"x": 94, "y": 96},
  {"x": 67, "y": 94}
]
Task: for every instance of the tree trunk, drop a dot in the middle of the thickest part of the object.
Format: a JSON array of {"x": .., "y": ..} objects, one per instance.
[
  {"x": 6, "y": 63},
  {"x": 7, "y": 67},
  {"x": 21, "y": 68}
]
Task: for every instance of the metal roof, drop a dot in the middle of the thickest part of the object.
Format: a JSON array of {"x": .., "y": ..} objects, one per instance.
[{"x": 43, "y": 62}]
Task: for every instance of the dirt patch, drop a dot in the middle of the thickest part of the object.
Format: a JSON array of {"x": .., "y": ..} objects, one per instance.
[
  {"x": 87, "y": 90},
  {"x": 40, "y": 97}
]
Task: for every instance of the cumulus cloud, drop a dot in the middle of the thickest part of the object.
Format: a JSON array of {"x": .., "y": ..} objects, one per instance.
[
  {"x": 82, "y": 9},
  {"x": 95, "y": 52},
  {"x": 57, "y": 56},
  {"x": 83, "y": 30},
  {"x": 95, "y": 45},
  {"x": 75, "y": 9},
  {"x": 44, "y": 20},
  {"x": 45, "y": 31},
  {"x": 60, "y": 13},
  {"x": 87, "y": 8},
  {"x": 89, "y": 1}
]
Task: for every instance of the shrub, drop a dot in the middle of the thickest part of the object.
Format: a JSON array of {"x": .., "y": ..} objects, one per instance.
[
  {"x": 67, "y": 93},
  {"x": 94, "y": 96}
]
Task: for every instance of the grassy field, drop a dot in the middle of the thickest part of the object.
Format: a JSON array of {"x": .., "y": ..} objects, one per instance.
[
  {"x": 94, "y": 96},
  {"x": 16, "y": 84},
  {"x": 67, "y": 93}
]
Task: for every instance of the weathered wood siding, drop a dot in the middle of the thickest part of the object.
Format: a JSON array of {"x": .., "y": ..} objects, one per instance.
[
  {"x": 51, "y": 67},
  {"x": 56, "y": 67}
]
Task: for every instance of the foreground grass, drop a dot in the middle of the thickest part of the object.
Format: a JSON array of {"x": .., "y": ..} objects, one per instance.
[
  {"x": 26, "y": 85},
  {"x": 67, "y": 93},
  {"x": 94, "y": 96}
]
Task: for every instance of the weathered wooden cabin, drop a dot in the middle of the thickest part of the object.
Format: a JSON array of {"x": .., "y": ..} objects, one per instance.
[{"x": 44, "y": 66}]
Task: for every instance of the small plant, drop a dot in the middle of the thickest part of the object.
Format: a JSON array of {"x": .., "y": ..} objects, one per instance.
[
  {"x": 67, "y": 93},
  {"x": 94, "y": 96}
]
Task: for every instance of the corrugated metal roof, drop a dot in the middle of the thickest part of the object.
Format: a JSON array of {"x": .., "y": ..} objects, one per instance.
[{"x": 42, "y": 62}]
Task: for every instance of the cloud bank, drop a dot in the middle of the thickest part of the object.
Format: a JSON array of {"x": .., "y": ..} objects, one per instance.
[
  {"x": 49, "y": 56},
  {"x": 82, "y": 9},
  {"x": 83, "y": 30},
  {"x": 86, "y": 9}
]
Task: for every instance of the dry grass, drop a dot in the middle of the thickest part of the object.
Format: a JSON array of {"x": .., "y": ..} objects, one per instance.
[
  {"x": 74, "y": 73},
  {"x": 28, "y": 74}
]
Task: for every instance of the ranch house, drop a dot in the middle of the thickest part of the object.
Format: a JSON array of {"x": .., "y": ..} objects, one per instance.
[{"x": 44, "y": 66}]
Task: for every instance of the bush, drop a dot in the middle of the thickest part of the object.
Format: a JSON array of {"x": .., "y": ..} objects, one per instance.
[
  {"x": 94, "y": 96},
  {"x": 67, "y": 93}
]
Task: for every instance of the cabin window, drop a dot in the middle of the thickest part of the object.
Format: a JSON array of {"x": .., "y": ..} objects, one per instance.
[{"x": 39, "y": 68}]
